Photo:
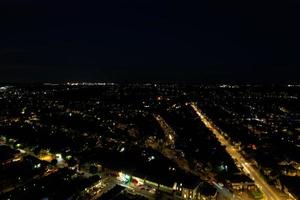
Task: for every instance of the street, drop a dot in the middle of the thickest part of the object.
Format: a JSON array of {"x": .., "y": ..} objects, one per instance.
[{"x": 249, "y": 170}]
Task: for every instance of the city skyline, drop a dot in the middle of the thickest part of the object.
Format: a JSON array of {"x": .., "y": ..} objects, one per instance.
[
  {"x": 150, "y": 141},
  {"x": 149, "y": 100}
]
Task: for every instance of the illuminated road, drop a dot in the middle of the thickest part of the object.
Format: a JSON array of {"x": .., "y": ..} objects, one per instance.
[
  {"x": 267, "y": 190},
  {"x": 168, "y": 131},
  {"x": 135, "y": 190},
  {"x": 98, "y": 189}
]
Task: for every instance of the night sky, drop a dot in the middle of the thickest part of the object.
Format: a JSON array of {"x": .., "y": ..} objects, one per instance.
[{"x": 135, "y": 40}]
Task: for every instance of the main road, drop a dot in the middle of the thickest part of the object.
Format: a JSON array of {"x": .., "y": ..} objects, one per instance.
[{"x": 249, "y": 170}]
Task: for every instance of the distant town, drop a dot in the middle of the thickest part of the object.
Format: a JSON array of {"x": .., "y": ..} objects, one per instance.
[{"x": 119, "y": 141}]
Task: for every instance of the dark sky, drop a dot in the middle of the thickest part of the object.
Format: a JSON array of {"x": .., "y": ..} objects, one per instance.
[{"x": 219, "y": 40}]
